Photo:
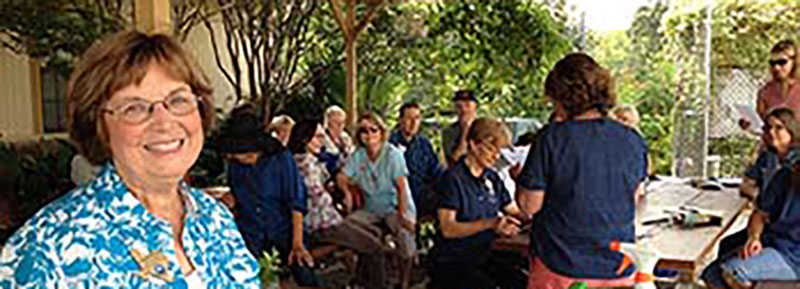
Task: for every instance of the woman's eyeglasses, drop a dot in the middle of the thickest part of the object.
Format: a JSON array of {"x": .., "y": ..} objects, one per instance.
[
  {"x": 369, "y": 130},
  {"x": 778, "y": 62},
  {"x": 139, "y": 110}
]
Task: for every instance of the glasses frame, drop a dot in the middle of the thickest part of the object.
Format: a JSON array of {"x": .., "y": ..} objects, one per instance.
[{"x": 118, "y": 112}]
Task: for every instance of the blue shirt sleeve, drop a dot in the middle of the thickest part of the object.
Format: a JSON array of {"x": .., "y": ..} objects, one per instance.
[
  {"x": 449, "y": 196},
  {"x": 295, "y": 186},
  {"x": 397, "y": 164},
  {"x": 768, "y": 201},
  {"x": 754, "y": 171},
  {"x": 435, "y": 169},
  {"x": 536, "y": 166}
]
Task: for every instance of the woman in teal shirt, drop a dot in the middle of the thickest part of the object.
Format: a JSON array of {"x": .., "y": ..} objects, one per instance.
[{"x": 379, "y": 170}]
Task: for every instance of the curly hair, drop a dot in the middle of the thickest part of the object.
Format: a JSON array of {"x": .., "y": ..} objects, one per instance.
[{"x": 579, "y": 84}]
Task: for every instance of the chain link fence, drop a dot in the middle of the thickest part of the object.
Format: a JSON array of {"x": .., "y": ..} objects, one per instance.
[{"x": 730, "y": 149}]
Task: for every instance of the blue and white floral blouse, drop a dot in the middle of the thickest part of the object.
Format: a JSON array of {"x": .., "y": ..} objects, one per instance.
[{"x": 100, "y": 236}]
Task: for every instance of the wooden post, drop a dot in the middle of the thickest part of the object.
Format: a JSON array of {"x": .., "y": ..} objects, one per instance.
[
  {"x": 36, "y": 94},
  {"x": 153, "y": 16}
]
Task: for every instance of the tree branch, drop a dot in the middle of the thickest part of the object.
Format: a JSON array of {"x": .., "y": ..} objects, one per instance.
[
  {"x": 371, "y": 14},
  {"x": 339, "y": 17}
]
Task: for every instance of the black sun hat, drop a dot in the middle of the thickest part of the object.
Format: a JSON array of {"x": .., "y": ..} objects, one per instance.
[{"x": 243, "y": 133}]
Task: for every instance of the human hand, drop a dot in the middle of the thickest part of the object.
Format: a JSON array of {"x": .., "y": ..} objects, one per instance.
[
  {"x": 507, "y": 226},
  {"x": 752, "y": 248},
  {"x": 404, "y": 223},
  {"x": 348, "y": 203},
  {"x": 301, "y": 256}
]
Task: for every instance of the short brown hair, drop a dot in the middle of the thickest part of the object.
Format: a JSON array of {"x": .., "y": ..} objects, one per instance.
[
  {"x": 488, "y": 129},
  {"x": 579, "y": 84},
  {"x": 374, "y": 118},
  {"x": 114, "y": 63},
  {"x": 405, "y": 106}
]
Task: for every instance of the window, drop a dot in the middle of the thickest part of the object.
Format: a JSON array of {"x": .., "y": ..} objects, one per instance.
[{"x": 54, "y": 101}]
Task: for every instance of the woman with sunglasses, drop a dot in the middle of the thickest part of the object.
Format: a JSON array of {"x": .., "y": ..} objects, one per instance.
[
  {"x": 378, "y": 169},
  {"x": 783, "y": 89},
  {"x": 770, "y": 249}
]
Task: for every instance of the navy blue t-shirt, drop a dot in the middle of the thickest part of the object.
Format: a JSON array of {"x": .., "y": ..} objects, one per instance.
[
  {"x": 266, "y": 194},
  {"x": 767, "y": 165},
  {"x": 473, "y": 198},
  {"x": 782, "y": 203},
  {"x": 589, "y": 171}
]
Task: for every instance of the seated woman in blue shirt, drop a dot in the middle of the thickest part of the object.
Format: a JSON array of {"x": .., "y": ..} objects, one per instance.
[
  {"x": 472, "y": 198},
  {"x": 778, "y": 154},
  {"x": 581, "y": 181},
  {"x": 379, "y": 170},
  {"x": 270, "y": 193},
  {"x": 772, "y": 247},
  {"x": 138, "y": 106}
]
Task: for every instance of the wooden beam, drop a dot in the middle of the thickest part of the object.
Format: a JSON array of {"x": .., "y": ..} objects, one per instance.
[
  {"x": 36, "y": 96},
  {"x": 153, "y": 16}
]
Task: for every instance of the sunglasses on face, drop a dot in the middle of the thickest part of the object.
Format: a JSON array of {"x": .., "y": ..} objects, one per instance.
[
  {"x": 778, "y": 62},
  {"x": 369, "y": 130}
]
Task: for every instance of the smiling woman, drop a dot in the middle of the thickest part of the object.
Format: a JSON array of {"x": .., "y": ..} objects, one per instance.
[{"x": 139, "y": 106}]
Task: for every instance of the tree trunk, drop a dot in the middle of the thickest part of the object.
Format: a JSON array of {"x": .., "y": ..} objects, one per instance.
[{"x": 351, "y": 72}]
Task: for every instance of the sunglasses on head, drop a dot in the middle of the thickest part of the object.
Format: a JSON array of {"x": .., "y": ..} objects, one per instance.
[
  {"x": 369, "y": 129},
  {"x": 778, "y": 62}
]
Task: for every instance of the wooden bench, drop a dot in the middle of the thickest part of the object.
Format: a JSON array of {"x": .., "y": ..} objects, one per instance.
[{"x": 778, "y": 285}]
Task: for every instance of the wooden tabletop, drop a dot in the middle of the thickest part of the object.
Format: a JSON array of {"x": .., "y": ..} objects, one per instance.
[{"x": 677, "y": 247}]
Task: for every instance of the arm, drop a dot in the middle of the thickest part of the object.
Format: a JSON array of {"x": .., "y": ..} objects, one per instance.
[
  {"x": 529, "y": 201},
  {"x": 748, "y": 188},
  {"x": 460, "y": 149},
  {"x": 343, "y": 183},
  {"x": 402, "y": 200},
  {"x": 761, "y": 106},
  {"x": 638, "y": 193},
  {"x": 513, "y": 210},
  {"x": 299, "y": 251},
  {"x": 755, "y": 227},
  {"x": 453, "y": 229}
]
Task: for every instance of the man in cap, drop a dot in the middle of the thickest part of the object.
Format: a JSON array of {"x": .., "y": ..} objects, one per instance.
[{"x": 454, "y": 136}]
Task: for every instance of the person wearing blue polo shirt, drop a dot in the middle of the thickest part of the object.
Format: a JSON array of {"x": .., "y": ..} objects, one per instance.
[
  {"x": 581, "y": 182},
  {"x": 270, "y": 194},
  {"x": 422, "y": 162},
  {"x": 769, "y": 249},
  {"x": 778, "y": 154},
  {"x": 474, "y": 209}
]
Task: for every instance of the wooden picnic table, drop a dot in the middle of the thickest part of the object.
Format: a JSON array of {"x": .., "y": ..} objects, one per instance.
[{"x": 678, "y": 248}]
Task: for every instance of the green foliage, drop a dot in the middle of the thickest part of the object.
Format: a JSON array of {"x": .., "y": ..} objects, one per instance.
[
  {"x": 270, "y": 266},
  {"x": 57, "y": 31},
  {"x": 736, "y": 152},
  {"x": 644, "y": 78},
  {"x": 743, "y": 31},
  {"x": 423, "y": 51},
  {"x": 502, "y": 50}
]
